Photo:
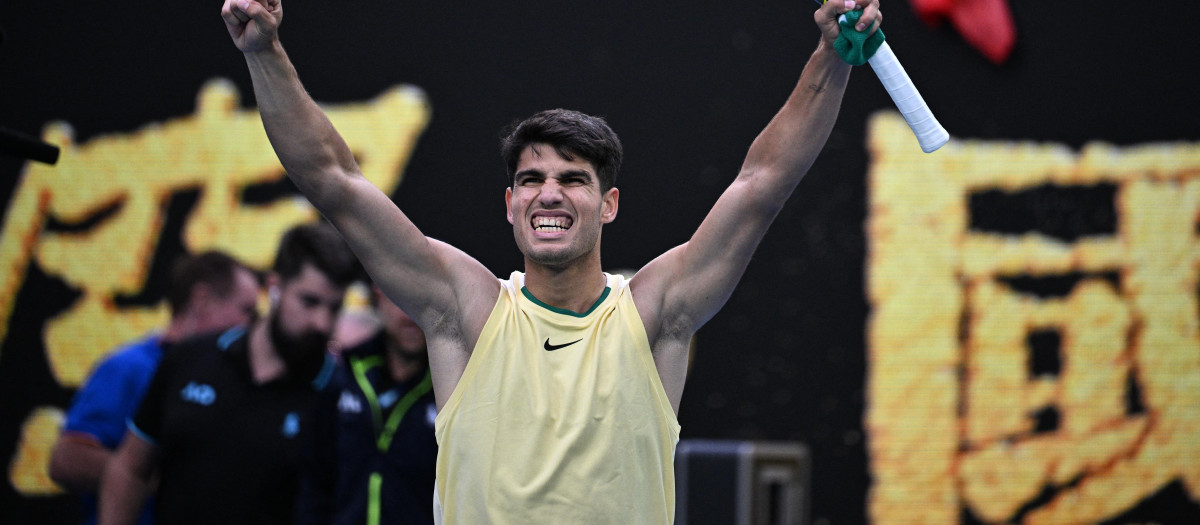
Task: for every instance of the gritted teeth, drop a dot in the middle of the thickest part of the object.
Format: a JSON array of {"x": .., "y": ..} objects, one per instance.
[{"x": 551, "y": 224}]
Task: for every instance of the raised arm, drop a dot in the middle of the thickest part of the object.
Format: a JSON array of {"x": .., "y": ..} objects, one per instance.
[
  {"x": 682, "y": 289},
  {"x": 426, "y": 277}
]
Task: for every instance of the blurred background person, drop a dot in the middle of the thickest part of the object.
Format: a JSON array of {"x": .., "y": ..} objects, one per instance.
[
  {"x": 208, "y": 292},
  {"x": 225, "y": 415},
  {"x": 359, "y": 320},
  {"x": 373, "y": 453}
]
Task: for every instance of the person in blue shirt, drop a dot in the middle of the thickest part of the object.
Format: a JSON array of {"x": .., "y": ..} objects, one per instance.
[
  {"x": 209, "y": 292},
  {"x": 373, "y": 454}
]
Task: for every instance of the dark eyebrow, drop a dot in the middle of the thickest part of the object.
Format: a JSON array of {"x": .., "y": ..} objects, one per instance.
[
  {"x": 528, "y": 173},
  {"x": 577, "y": 173},
  {"x": 538, "y": 174}
]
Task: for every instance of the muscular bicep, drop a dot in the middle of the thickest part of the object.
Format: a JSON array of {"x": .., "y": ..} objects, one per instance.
[
  {"x": 447, "y": 292},
  {"x": 417, "y": 272},
  {"x": 684, "y": 287}
]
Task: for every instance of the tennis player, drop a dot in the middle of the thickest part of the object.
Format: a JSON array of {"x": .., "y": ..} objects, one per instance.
[{"x": 558, "y": 387}]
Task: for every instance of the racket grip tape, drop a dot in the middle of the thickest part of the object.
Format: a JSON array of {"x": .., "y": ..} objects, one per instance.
[{"x": 930, "y": 133}]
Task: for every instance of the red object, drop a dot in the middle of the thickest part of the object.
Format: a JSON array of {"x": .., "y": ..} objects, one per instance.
[{"x": 986, "y": 25}]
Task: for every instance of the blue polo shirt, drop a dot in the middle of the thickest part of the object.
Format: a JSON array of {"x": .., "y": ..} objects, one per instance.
[{"x": 110, "y": 397}]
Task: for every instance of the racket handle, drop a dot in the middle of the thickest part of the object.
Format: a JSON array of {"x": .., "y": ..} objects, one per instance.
[{"x": 930, "y": 134}]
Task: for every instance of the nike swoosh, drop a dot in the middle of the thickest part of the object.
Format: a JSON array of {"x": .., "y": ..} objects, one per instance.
[{"x": 550, "y": 348}]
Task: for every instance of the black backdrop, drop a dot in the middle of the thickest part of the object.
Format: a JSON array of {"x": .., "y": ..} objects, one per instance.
[{"x": 687, "y": 85}]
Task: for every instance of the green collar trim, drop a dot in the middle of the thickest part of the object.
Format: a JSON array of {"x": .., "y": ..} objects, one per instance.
[{"x": 564, "y": 311}]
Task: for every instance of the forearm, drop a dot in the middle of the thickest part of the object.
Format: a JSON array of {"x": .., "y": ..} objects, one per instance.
[
  {"x": 123, "y": 493},
  {"x": 720, "y": 250},
  {"x": 77, "y": 464},
  {"x": 787, "y": 147},
  {"x": 312, "y": 152},
  {"x": 682, "y": 289}
]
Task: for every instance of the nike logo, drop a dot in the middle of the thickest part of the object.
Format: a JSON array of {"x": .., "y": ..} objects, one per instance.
[{"x": 550, "y": 348}]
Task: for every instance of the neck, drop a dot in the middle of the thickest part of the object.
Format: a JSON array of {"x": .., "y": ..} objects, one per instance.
[
  {"x": 265, "y": 363},
  {"x": 181, "y": 327},
  {"x": 575, "y": 288},
  {"x": 402, "y": 365}
]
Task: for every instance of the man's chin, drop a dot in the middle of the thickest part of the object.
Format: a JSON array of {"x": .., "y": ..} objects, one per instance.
[
  {"x": 553, "y": 260},
  {"x": 557, "y": 253}
]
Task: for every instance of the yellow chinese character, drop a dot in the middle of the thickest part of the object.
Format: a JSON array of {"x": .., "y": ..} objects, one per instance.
[{"x": 951, "y": 393}]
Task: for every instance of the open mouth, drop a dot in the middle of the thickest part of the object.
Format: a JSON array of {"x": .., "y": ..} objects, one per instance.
[{"x": 551, "y": 224}]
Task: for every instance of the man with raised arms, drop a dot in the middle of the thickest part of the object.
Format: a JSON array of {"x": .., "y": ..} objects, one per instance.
[{"x": 558, "y": 387}]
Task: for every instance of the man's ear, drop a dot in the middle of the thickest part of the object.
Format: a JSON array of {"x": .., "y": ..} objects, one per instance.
[
  {"x": 272, "y": 282},
  {"x": 508, "y": 204},
  {"x": 608, "y": 209}
]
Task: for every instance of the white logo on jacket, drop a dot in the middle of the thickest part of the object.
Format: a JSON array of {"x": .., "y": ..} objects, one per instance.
[
  {"x": 291, "y": 425},
  {"x": 349, "y": 403}
]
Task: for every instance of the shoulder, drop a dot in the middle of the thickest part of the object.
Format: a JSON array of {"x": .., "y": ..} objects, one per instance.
[
  {"x": 133, "y": 358},
  {"x": 652, "y": 281},
  {"x": 147, "y": 348},
  {"x": 226, "y": 340},
  {"x": 468, "y": 280},
  {"x": 648, "y": 288},
  {"x": 478, "y": 301},
  {"x": 511, "y": 286},
  {"x": 203, "y": 348}
]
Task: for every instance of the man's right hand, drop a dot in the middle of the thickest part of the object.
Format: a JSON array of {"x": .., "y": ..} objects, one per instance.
[
  {"x": 827, "y": 17},
  {"x": 253, "y": 24}
]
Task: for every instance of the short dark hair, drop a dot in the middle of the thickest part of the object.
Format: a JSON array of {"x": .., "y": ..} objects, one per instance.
[
  {"x": 214, "y": 268},
  {"x": 320, "y": 245},
  {"x": 571, "y": 134}
]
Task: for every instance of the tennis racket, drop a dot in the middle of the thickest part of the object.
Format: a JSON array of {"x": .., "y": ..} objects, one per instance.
[{"x": 930, "y": 133}]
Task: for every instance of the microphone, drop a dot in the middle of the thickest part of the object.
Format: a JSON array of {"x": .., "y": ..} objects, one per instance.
[{"x": 23, "y": 146}]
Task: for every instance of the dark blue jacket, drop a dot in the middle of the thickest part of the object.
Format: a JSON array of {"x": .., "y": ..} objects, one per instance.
[{"x": 357, "y": 471}]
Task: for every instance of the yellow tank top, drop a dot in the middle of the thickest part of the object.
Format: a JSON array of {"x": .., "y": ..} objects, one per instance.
[{"x": 559, "y": 418}]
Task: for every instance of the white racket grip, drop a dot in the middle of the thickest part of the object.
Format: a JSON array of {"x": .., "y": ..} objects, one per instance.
[{"x": 930, "y": 134}]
